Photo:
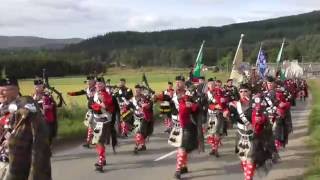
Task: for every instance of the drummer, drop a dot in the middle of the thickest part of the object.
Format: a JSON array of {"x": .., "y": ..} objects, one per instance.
[{"x": 165, "y": 108}]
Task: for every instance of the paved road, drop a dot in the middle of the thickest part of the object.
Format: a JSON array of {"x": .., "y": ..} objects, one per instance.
[{"x": 77, "y": 162}]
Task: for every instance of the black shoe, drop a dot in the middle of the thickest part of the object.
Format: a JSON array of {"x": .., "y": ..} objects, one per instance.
[
  {"x": 143, "y": 148},
  {"x": 99, "y": 168},
  {"x": 177, "y": 175},
  {"x": 86, "y": 145},
  {"x": 114, "y": 149},
  {"x": 212, "y": 153},
  {"x": 135, "y": 150},
  {"x": 124, "y": 136},
  {"x": 275, "y": 157},
  {"x": 103, "y": 163},
  {"x": 184, "y": 170},
  {"x": 217, "y": 154}
]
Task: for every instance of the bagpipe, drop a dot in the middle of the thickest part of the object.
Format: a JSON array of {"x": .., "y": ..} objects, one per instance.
[
  {"x": 114, "y": 90},
  {"x": 6, "y": 132},
  {"x": 259, "y": 115},
  {"x": 52, "y": 89},
  {"x": 146, "y": 87},
  {"x": 196, "y": 93}
]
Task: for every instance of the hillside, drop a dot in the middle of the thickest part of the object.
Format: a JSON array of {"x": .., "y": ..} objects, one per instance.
[
  {"x": 178, "y": 47},
  {"x": 9, "y": 42}
]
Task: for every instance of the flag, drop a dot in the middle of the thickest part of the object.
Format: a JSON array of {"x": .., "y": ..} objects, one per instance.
[
  {"x": 261, "y": 62},
  {"x": 144, "y": 80},
  {"x": 236, "y": 73},
  {"x": 198, "y": 66},
  {"x": 3, "y": 73},
  {"x": 282, "y": 75},
  {"x": 280, "y": 53},
  {"x": 279, "y": 69}
]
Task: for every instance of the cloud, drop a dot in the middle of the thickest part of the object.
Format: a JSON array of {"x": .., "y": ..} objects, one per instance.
[
  {"x": 58, "y": 12},
  {"x": 160, "y": 23},
  {"x": 85, "y": 18},
  {"x": 306, "y": 3},
  {"x": 57, "y": 4}
]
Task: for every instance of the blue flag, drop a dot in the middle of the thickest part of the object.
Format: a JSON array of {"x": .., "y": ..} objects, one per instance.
[{"x": 262, "y": 63}]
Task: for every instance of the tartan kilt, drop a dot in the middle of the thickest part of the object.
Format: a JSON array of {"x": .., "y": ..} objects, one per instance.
[
  {"x": 244, "y": 144},
  {"x": 263, "y": 146},
  {"x": 146, "y": 128},
  {"x": 279, "y": 129},
  {"x": 52, "y": 128},
  {"x": 189, "y": 138},
  {"x": 215, "y": 123},
  {"x": 105, "y": 135}
]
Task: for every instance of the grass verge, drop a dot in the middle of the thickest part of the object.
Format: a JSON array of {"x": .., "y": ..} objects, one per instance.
[
  {"x": 313, "y": 172},
  {"x": 70, "y": 119}
]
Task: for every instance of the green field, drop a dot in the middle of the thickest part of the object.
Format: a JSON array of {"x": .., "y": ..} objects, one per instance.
[
  {"x": 71, "y": 116},
  {"x": 157, "y": 78}
]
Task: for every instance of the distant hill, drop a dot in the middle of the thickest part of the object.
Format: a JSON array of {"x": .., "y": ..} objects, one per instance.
[
  {"x": 178, "y": 47},
  {"x": 14, "y": 42},
  {"x": 290, "y": 27}
]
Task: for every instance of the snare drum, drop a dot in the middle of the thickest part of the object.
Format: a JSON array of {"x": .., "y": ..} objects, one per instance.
[
  {"x": 175, "y": 137},
  {"x": 165, "y": 107},
  {"x": 126, "y": 115},
  {"x": 137, "y": 124},
  {"x": 88, "y": 119}
]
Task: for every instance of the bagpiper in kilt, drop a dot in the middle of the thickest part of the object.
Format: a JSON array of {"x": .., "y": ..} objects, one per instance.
[
  {"x": 283, "y": 115},
  {"x": 279, "y": 113},
  {"x": 124, "y": 95},
  {"x": 184, "y": 132},
  {"x": 291, "y": 87},
  {"x": 24, "y": 151},
  {"x": 254, "y": 133},
  {"x": 217, "y": 112},
  {"x": 143, "y": 117},
  {"x": 302, "y": 89},
  {"x": 218, "y": 85},
  {"x": 103, "y": 108},
  {"x": 89, "y": 92},
  {"x": 48, "y": 107}
]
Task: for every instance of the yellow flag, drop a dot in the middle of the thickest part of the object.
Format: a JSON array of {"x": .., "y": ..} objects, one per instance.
[{"x": 236, "y": 73}]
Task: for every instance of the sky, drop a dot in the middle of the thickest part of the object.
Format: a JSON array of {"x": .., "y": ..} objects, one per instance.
[{"x": 88, "y": 18}]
